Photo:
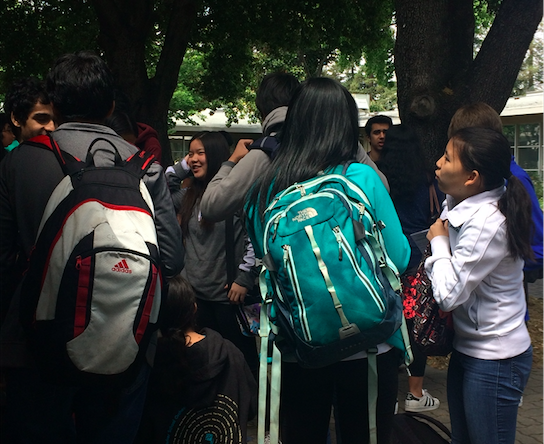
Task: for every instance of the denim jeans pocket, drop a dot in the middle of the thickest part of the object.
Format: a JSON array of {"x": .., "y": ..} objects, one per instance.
[{"x": 521, "y": 368}]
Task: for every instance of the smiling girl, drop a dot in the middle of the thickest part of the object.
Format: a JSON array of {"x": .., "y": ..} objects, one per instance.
[
  {"x": 478, "y": 249},
  {"x": 205, "y": 244}
]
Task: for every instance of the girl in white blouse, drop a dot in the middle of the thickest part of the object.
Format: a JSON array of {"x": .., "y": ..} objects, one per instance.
[{"x": 478, "y": 249}]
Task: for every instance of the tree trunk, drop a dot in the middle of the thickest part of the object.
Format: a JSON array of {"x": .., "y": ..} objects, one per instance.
[
  {"x": 125, "y": 27},
  {"x": 434, "y": 64}
]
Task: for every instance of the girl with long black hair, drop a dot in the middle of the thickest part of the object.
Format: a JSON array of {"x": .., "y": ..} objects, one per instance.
[
  {"x": 206, "y": 244},
  {"x": 320, "y": 133}
]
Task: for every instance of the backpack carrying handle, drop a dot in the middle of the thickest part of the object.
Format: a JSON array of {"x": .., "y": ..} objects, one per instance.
[{"x": 90, "y": 156}]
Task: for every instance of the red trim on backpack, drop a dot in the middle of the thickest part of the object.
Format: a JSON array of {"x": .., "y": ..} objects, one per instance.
[
  {"x": 151, "y": 159},
  {"x": 80, "y": 316},
  {"x": 46, "y": 140},
  {"x": 144, "y": 320},
  {"x": 107, "y": 205}
]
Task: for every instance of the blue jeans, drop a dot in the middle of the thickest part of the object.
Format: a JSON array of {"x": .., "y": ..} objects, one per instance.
[
  {"x": 483, "y": 397},
  {"x": 48, "y": 414}
]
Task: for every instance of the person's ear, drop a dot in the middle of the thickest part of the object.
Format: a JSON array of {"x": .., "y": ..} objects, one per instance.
[
  {"x": 474, "y": 179},
  {"x": 15, "y": 121},
  {"x": 110, "y": 112}
]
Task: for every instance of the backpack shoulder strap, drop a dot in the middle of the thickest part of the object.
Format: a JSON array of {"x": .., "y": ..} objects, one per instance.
[
  {"x": 68, "y": 163},
  {"x": 139, "y": 163},
  {"x": 268, "y": 144}
]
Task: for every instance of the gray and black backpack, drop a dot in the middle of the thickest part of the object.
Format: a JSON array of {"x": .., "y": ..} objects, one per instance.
[{"x": 90, "y": 298}]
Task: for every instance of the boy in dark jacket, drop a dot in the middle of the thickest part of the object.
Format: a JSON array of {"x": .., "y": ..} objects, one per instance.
[{"x": 80, "y": 87}]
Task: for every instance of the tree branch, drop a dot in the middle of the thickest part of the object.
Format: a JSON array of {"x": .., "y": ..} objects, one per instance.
[
  {"x": 497, "y": 64},
  {"x": 182, "y": 19}
]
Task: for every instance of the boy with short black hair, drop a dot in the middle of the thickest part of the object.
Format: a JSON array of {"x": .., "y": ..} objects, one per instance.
[
  {"x": 29, "y": 107},
  {"x": 81, "y": 90},
  {"x": 375, "y": 130}
]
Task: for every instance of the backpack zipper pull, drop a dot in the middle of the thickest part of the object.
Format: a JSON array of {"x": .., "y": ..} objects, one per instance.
[
  {"x": 78, "y": 263},
  {"x": 362, "y": 209},
  {"x": 285, "y": 255},
  {"x": 276, "y": 222},
  {"x": 339, "y": 240}
]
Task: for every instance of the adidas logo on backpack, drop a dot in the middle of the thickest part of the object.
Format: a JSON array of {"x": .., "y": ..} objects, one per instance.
[
  {"x": 122, "y": 267},
  {"x": 92, "y": 291}
]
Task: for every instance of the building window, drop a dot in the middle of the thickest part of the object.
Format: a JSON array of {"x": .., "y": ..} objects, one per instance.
[{"x": 525, "y": 141}]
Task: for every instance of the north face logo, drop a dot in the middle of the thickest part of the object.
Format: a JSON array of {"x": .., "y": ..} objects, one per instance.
[
  {"x": 305, "y": 214},
  {"x": 122, "y": 267}
]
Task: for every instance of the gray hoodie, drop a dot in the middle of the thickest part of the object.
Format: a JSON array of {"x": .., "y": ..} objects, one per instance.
[{"x": 227, "y": 191}]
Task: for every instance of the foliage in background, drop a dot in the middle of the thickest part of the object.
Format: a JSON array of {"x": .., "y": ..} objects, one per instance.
[
  {"x": 232, "y": 45},
  {"x": 34, "y": 33},
  {"x": 537, "y": 182},
  {"x": 531, "y": 75}
]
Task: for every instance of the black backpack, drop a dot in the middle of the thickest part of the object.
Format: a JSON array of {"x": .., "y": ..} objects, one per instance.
[
  {"x": 90, "y": 298},
  {"x": 417, "y": 428},
  {"x": 268, "y": 144}
]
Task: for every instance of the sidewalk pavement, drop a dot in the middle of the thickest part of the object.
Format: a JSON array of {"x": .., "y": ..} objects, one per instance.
[{"x": 529, "y": 429}]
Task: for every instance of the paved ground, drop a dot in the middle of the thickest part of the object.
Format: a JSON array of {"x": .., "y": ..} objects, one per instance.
[
  {"x": 530, "y": 416},
  {"x": 529, "y": 430},
  {"x": 536, "y": 289}
]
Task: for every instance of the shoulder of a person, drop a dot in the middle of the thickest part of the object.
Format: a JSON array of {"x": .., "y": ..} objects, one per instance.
[
  {"x": 362, "y": 173},
  {"x": 78, "y": 137},
  {"x": 255, "y": 155},
  {"x": 485, "y": 217}
]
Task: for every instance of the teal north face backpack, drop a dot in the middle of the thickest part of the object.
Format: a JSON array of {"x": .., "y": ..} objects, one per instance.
[{"x": 329, "y": 288}]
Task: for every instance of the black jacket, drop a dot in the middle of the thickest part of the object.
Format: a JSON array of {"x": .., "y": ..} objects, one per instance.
[{"x": 217, "y": 395}]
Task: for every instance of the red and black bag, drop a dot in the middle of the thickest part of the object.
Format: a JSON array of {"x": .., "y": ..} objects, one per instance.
[
  {"x": 90, "y": 298},
  {"x": 432, "y": 328}
]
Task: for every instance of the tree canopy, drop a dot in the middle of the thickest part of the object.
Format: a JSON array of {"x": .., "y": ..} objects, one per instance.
[{"x": 185, "y": 55}]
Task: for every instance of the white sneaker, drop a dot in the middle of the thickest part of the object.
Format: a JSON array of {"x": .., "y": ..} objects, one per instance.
[{"x": 423, "y": 404}]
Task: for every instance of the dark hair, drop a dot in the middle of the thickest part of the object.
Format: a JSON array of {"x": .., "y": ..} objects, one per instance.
[
  {"x": 81, "y": 87},
  {"x": 177, "y": 317},
  {"x": 122, "y": 123},
  {"x": 5, "y": 118},
  {"x": 23, "y": 96},
  {"x": 321, "y": 130},
  {"x": 178, "y": 310},
  {"x": 401, "y": 161},
  {"x": 376, "y": 119},
  {"x": 275, "y": 90},
  {"x": 217, "y": 151},
  {"x": 478, "y": 114},
  {"x": 488, "y": 152}
]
